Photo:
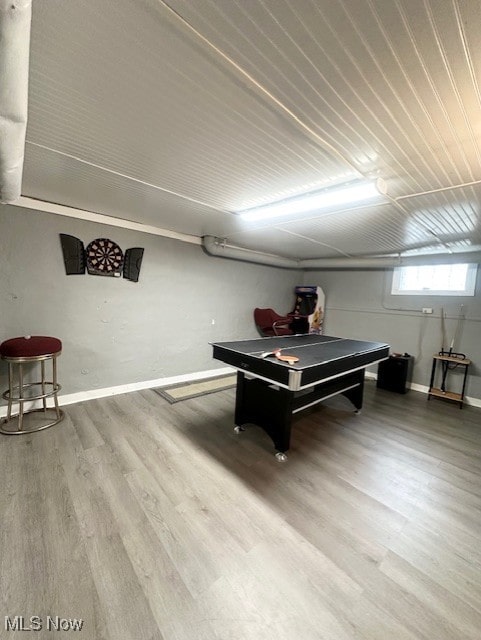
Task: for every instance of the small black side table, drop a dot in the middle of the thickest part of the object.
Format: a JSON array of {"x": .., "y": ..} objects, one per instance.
[{"x": 449, "y": 361}]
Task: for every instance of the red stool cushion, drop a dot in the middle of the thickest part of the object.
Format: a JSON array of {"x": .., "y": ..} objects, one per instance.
[{"x": 30, "y": 347}]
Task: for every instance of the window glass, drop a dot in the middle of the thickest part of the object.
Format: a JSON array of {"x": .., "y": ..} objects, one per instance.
[{"x": 436, "y": 279}]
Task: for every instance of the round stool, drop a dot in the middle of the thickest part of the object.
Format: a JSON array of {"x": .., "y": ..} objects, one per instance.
[{"x": 18, "y": 352}]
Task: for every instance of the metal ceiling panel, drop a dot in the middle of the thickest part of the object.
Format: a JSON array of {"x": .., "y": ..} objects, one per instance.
[
  {"x": 176, "y": 113},
  {"x": 450, "y": 215},
  {"x": 54, "y": 178},
  {"x": 279, "y": 242},
  {"x": 133, "y": 92},
  {"x": 364, "y": 231},
  {"x": 391, "y": 85}
]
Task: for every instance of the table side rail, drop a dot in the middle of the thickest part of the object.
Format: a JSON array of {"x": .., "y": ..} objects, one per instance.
[
  {"x": 272, "y": 372},
  {"x": 267, "y": 370},
  {"x": 339, "y": 367}
]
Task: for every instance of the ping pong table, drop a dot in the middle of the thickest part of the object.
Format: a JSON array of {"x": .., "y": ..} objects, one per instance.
[{"x": 270, "y": 391}]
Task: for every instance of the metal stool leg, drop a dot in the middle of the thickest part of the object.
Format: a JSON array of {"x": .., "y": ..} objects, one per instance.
[
  {"x": 20, "y": 397},
  {"x": 44, "y": 400},
  {"x": 10, "y": 391},
  {"x": 55, "y": 385}
]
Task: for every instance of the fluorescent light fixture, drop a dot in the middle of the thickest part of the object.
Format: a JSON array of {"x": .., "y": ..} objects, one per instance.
[{"x": 353, "y": 192}]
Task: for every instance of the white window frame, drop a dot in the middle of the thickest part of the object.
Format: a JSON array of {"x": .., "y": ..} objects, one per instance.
[{"x": 469, "y": 289}]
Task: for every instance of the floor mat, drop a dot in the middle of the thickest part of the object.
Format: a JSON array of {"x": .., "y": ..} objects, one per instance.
[{"x": 187, "y": 390}]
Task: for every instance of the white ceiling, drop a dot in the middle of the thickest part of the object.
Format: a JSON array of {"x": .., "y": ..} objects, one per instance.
[{"x": 176, "y": 114}]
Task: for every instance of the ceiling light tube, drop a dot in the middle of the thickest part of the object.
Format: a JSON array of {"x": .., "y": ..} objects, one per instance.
[{"x": 351, "y": 193}]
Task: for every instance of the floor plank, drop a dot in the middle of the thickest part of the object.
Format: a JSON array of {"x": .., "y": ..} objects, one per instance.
[{"x": 156, "y": 521}]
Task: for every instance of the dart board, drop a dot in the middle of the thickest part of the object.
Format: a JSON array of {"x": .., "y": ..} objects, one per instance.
[{"x": 104, "y": 258}]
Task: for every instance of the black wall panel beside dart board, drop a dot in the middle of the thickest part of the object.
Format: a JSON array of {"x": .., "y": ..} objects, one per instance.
[{"x": 103, "y": 257}]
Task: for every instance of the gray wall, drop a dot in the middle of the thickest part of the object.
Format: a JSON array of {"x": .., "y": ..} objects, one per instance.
[
  {"x": 359, "y": 305},
  {"x": 116, "y": 332}
]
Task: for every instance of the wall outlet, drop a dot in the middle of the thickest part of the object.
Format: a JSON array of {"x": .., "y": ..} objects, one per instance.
[{"x": 427, "y": 310}]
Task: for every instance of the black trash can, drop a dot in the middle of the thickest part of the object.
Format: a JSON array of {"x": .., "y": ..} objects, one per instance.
[{"x": 395, "y": 373}]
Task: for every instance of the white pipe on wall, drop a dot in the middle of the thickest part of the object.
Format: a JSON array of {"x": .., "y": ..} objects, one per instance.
[
  {"x": 217, "y": 247},
  {"x": 15, "y": 21}
]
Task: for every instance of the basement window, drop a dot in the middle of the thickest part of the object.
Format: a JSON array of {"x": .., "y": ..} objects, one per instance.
[{"x": 435, "y": 280}]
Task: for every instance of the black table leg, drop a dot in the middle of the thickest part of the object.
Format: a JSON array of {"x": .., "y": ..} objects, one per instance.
[
  {"x": 267, "y": 406},
  {"x": 355, "y": 395},
  {"x": 271, "y": 407}
]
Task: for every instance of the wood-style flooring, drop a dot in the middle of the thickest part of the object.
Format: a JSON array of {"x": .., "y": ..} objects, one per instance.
[{"x": 155, "y": 521}]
